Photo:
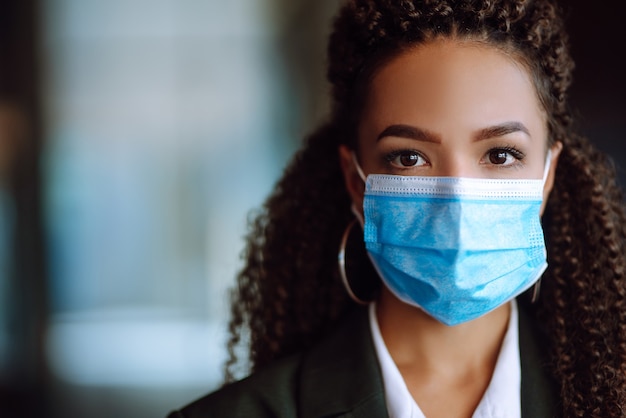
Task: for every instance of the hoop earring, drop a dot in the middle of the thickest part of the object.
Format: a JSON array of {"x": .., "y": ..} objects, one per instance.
[
  {"x": 536, "y": 289},
  {"x": 341, "y": 259}
]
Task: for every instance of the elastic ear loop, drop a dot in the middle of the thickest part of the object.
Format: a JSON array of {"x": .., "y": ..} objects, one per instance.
[
  {"x": 546, "y": 170},
  {"x": 546, "y": 166},
  {"x": 358, "y": 167}
]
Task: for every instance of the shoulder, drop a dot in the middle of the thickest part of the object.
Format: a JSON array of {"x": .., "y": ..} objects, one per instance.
[
  {"x": 319, "y": 382},
  {"x": 267, "y": 393}
]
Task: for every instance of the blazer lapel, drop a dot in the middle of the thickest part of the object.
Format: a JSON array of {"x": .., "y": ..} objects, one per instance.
[
  {"x": 341, "y": 377},
  {"x": 538, "y": 390}
]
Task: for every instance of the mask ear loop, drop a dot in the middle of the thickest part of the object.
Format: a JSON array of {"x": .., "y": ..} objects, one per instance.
[
  {"x": 353, "y": 208},
  {"x": 546, "y": 170},
  {"x": 358, "y": 167},
  {"x": 536, "y": 289}
]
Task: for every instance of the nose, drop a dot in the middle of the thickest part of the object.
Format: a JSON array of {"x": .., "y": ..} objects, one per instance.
[{"x": 452, "y": 165}]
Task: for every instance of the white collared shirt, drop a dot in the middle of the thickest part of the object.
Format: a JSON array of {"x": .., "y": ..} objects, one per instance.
[{"x": 501, "y": 399}]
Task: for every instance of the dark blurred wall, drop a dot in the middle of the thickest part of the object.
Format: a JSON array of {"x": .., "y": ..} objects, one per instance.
[
  {"x": 301, "y": 32},
  {"x": 599, "y": 91},
  {"x": 24, "y": 307}
]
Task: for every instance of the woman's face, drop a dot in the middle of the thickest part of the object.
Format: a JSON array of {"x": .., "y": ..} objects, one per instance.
[{"x": 450, "y": 108}]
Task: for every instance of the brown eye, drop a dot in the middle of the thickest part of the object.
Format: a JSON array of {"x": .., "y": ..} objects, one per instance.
[
  {"x": 409, "y": 160},
  {"x": 503, "y": 157},
  {"x": 498, "y": 157},
  {"x": 406, "y": 159}
]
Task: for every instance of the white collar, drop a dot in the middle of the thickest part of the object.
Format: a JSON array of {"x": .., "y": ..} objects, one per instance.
[{"x": 501, "y": 399}]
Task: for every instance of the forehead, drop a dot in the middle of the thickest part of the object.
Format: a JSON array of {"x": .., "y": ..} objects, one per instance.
[{"x": 464, "y": 81}]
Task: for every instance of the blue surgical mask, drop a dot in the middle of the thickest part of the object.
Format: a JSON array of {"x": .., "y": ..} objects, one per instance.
[{"x": 455, "y": 247}]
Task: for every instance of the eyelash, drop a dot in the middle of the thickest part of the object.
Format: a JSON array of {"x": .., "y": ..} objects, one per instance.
[
  {"x": 513, "y": 151},
  {"x": 516, "y": 153},
  {"x": 389, "y": 157}
]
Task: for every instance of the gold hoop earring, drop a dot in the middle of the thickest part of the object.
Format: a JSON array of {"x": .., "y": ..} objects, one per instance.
[{"x": 341, "y": 259}]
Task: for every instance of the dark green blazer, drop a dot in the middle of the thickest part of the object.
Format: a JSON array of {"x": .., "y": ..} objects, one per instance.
[{"x": 340, "y": 377}]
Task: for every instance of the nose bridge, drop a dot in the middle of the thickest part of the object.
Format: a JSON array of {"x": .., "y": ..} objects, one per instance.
[{"x": 454, "y": 164}]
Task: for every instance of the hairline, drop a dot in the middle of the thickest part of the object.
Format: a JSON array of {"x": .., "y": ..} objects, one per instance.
[{"x": 385, "y": 55}]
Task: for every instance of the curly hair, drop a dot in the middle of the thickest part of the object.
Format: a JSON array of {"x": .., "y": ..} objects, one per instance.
[{"x": 289, "y": 293}]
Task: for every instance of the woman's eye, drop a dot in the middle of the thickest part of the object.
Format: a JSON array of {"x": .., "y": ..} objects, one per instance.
[
  {"x": 404, "y": 159},
  {"x": 503, "y": 156}
]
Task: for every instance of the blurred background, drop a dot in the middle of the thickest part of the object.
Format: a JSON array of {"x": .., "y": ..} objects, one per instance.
[{"x": 136, "y": 137}]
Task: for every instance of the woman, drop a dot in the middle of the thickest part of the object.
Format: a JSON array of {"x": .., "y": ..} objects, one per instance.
[{"x": 451, "y": 143}]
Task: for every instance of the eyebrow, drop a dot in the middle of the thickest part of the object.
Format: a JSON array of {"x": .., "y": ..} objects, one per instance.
[
  {"x": 501, "y": 130},
  {"x": 412, "y": 132}
]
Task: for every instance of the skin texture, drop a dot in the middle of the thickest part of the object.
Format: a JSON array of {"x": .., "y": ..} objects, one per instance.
[{"x": 476, "y": 114}]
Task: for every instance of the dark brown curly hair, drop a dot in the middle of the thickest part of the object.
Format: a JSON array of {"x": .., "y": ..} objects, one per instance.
[{"x": 289, "y": 293}]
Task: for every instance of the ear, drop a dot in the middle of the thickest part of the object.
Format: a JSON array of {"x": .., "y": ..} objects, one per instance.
[
  {"x": 353, "y": 181},
  {"x": 554, "y": 160}
]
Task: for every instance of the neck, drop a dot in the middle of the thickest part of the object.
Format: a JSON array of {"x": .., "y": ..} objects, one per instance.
[{"x": 422, "y": 344}]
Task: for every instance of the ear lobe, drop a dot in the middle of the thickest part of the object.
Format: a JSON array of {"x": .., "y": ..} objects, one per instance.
[
  {"x": 352, "y": 179},
  {"x": 554, "y": 160}
]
